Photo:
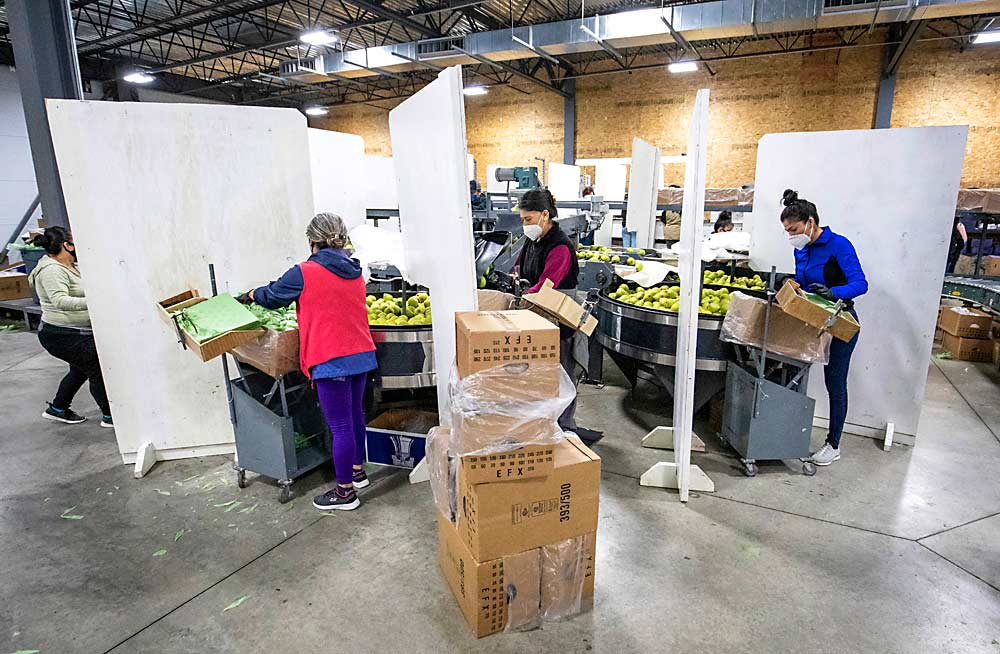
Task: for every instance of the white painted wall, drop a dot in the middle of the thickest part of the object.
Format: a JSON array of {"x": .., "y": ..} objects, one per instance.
[
  {"x": 892, "y": 192},
  {"x": 180, "y": 186},
  {"x": 339, "y": 176},
  {"x": 17, "y": 175}
]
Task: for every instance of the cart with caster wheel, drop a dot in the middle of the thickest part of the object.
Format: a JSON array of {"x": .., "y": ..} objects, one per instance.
[
  {"x": 279, "y": 428},
  {"x": 767, "y": 414}
]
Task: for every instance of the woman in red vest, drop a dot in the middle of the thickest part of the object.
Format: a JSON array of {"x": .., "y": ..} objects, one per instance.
[{"x": 335, "y": 346}]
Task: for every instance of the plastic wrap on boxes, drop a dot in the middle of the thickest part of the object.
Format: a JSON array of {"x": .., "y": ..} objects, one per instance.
[
  {"x": 443, "y": 471},
  {"x": 564, "y": 568},
  {"x": 786, "y": 335},
  {"x": 522, "y": 587},
  {"x": 497, "y": 409},
  {"x": 274, "y": 353}
]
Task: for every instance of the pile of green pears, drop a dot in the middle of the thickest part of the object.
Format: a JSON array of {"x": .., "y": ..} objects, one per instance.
[{"x": 391, "y": 311}]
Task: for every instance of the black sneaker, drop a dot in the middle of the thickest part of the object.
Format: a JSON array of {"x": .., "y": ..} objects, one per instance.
[
  {"x": 106, "y": 421},
  {"x": 361, "y": 479},
  {"x": 340, "y": 499},
  {"x": 63, "y": 415}
]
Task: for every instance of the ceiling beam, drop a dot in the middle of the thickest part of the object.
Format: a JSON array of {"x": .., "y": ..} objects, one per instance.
[
  {"x": 513, "y": 71},
  {"x": 395, "y": 16}
]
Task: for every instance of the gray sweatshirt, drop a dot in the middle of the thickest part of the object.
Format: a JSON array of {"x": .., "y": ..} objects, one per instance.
[{"x": 61, "y": 294}]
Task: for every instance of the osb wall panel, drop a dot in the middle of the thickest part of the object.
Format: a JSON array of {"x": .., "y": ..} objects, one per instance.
[
  {"x": 509, "y": 128},
  {"x": 504, "y": 127},
  {"x": 938, "y": 85},
  {"x": 749, "y": 98},
  {"x": 371, "y": 123}
]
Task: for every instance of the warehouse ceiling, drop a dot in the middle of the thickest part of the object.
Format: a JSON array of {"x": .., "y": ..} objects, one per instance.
[{"x": 232, "y": 50}]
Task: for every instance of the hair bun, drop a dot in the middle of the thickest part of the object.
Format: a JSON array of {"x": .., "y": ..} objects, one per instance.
[
  {"x": 40, "y": 240},
  {"x": 789, "y": 197}
]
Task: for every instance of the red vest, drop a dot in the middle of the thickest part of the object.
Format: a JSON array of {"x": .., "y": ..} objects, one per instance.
[{"x": 333, "y": 317}]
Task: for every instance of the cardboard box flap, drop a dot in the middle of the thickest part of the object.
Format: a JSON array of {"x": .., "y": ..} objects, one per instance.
[{"x": 562, "y": 308}]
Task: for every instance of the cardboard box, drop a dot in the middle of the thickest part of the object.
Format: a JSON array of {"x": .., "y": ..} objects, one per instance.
[
  {"x": 501, "y": 591},
  {"x": 273, "y": 353},
  {"x": 786, "y": 334},
  {"x": 521, "y": 463},
  {"x": 490, "y": 300},
  {"x": 968, "y": 349},
  {"x": 794, "y": 302},
  {"x": 995, "y": 330},
  {"x": 990, "y": 266},
  {"x": 966, "y": 265},
  {"x": 516, "y": 341},
  {"x": 213, "y": 347},
  {"x": 499, "y": 519},
  {"x": 559, "y": 307},
  {"x": 991, "y": 201},
  {"x": 966, "y": 322},
  {"x": 14, "y": 286}
]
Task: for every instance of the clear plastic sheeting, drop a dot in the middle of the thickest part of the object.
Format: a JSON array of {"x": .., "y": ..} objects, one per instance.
[
  {"x": 504, "y": 407},
  {"x": 443, "y": 471},
  {"x": 786, "y": 335},
  {"x": 563, "y": 570},
  {"x": 273, "y": 353},
  {"x": 522, "y": 590}
]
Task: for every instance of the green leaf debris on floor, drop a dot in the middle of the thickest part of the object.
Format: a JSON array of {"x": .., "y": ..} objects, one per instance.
[
  {"x": 179, "y": 535},
  {"x": 232, "y": 506},
  {"x": 235, "y": 603},
  {"x": 69, "y": 515},
  {"x": 219, "y": 506},
  {"x": 159, "y": 552},
  {"x": 27, "y": 651},
  {"x": 249, "y": 509}
]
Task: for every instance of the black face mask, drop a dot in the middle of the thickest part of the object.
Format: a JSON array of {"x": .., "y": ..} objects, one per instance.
[{"x": 72, "y": 252}]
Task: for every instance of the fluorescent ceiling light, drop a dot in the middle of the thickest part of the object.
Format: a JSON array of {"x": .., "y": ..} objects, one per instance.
[
  {"x": 475, "y": 90},
  {"x": 683, "y": 67},
  {"x": 139, "y": 78},
  {"x": 317, "y": 111},
  {"x": 319, "y": 37},
  {"x": 987, "y": 37}
]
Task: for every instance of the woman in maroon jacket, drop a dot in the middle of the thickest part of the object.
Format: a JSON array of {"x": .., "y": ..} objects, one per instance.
[{"x": 335, "y": 346}]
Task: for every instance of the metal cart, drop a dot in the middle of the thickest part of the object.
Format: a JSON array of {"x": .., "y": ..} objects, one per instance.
[
  {"x": 279, "y": 427},
  {"x": 767, "y": 414}
]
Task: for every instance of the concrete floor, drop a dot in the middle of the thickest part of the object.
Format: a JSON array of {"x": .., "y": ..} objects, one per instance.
[{"x": 882, "y": 552}]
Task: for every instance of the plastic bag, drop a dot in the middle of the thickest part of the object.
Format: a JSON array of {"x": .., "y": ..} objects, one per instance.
[
  {"x": 786, "y": 335},
  {"x": 443, "y": 471},
  {"x": 274, "y": 353},
  {"x": 505, "y": 407},
  {"x": 563, "y": 570}
]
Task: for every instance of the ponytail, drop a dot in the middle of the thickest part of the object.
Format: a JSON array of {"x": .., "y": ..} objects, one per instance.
[{"x": 51, "y": 240}]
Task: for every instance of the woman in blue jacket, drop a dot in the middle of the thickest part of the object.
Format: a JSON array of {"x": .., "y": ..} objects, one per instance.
[{"x": 826, "y": 264}]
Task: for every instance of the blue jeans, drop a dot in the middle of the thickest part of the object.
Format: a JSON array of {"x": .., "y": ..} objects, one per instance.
[
  {"x": 835, "y": 376},
  {"x": 628, "y": 239}
]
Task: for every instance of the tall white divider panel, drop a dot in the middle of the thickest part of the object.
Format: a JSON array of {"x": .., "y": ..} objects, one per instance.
[
  {"x": 642, "y": 182},
  {"x": 429, "y": 153},
  {"x": 678, "y": 475},
  {"x": 609, "y": 183},
  {"x": 564, "y": 181},
  {"x": 155, "y": 193},
  {"x": 338, "y": 174},
  {"x": 892, "y": 192}
]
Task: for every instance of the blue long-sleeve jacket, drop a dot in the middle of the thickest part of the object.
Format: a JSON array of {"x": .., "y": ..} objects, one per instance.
[
  {"x": 287, "y": 289},
  {"x": 831, "y": 261}
]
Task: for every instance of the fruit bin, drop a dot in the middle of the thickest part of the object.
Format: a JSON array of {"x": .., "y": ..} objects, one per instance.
[{"x": 279, "y": 427}]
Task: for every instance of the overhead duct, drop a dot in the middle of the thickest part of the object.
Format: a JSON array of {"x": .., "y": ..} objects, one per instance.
[{"x": 722, "y": 19}]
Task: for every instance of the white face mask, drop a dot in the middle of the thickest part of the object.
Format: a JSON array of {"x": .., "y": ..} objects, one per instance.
[
  {"x": 534, "y": 232},
  {"x": 799, "y": 241}
]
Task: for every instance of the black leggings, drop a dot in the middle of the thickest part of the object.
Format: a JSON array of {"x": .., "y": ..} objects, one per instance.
[{"x": 78, "y": 350}]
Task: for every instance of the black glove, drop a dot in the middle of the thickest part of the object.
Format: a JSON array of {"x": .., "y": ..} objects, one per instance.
[
  {"x": 822, "y": 291},
  {"x": 245, "y": 298}
]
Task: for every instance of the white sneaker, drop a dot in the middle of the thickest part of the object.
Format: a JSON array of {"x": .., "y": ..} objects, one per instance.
[{"x": 825, "y": 455}]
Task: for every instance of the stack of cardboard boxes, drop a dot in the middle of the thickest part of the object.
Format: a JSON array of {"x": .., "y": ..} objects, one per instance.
[
  {"x": 517, "y": 498},
  {"x": 966, "y": 333}
]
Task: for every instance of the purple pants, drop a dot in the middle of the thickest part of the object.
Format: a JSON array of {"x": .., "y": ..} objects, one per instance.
[{"x": 342, "y": 401}]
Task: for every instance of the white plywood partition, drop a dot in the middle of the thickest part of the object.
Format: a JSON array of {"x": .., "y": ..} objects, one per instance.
[
  {"x": 609, "y": 183},
  {"x": 155, "y": 193},
  {"x": 564, "y": 181},
  {"x": 379, "y": 183},
  {"x": 681, "y": 473},
  {"x": 892, "y": 192},
  {"x": 338, "y": 174},
  {"x": 429, "y": 151},
  {"x": 642, "y": 183}
]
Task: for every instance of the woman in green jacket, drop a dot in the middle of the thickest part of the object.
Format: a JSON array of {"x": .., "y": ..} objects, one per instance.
[{"x": 65, "y": 332}]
